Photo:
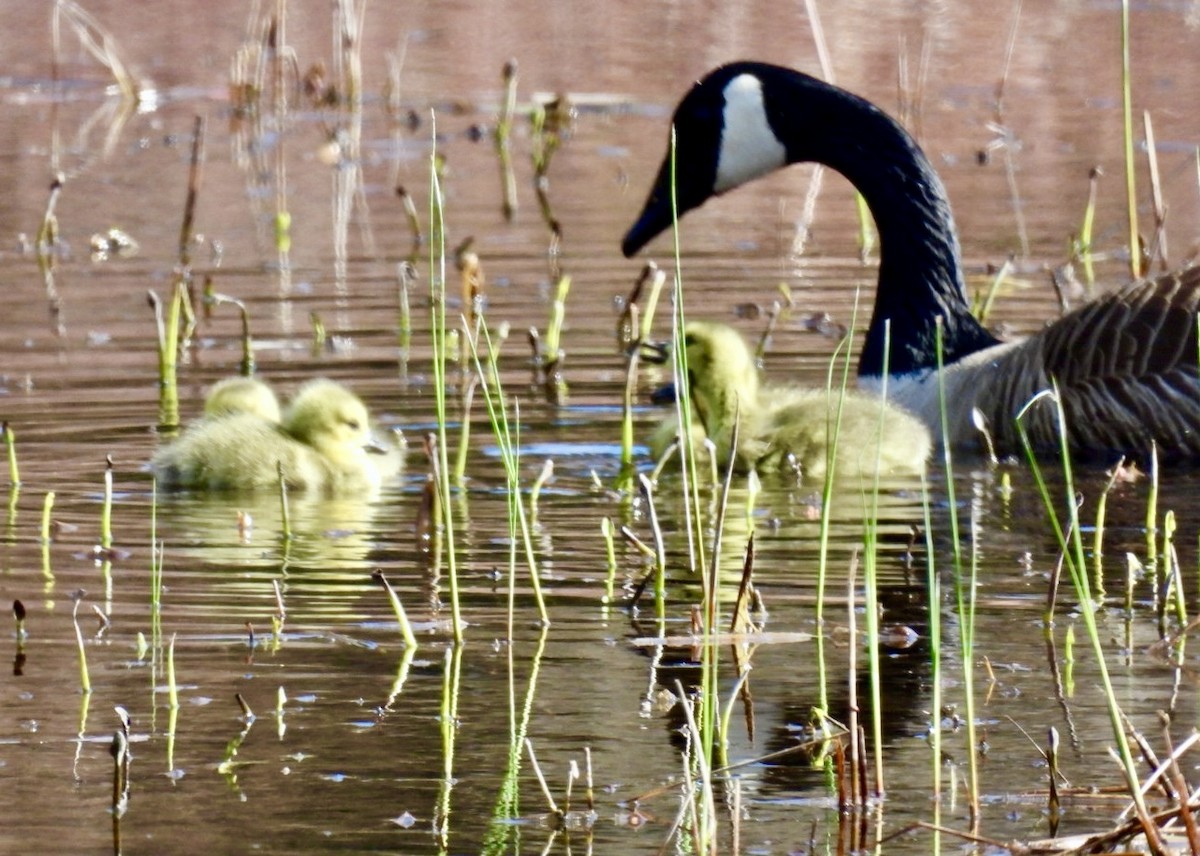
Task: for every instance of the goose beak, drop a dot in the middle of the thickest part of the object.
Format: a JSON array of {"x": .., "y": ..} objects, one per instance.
[
  {"x": 695, "y": 178},
  {"x": 693, "y": 185},
  {"x": 655, "y": 217}
]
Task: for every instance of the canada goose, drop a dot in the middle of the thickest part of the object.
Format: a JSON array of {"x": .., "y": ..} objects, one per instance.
[
  {"x": 775, "y": 423},
  {"x": 1125, "y": 364},
  {"x": 242, "y": 395},
  {"x": 323, "y": 443}
]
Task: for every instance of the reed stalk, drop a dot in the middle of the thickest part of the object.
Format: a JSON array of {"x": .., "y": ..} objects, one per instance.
[
  {"x": 1098, "y": 538},
  {"x": 710, "y": 733},
  {"x": 933, "y": 599},
  {"x": 85, "y": 681},
  {"x": 548, "y": 124},
  {"x": 280, "y": 702},
  {"x": 319, "y": 335},
  {"x": 179, "y": 311},
  {"x": 1135, "y": 247},
  {"x": 414, "y": 225},
  {"x": 285, "y": 514},
  {"x": 448, "y": 727},
  {"x": 964, "y": 595},
  {"x": 1075, "y": 563},
  {"x": 406, "y": 273},
  {"x": 441, "y": 351},
  {"x": 866, "y": 228},
  {"x": 852, "y": 797},
  {"x": 195, "y": 172},
  {"x": 507, "y": 442},
  {"x": 464, "y": 431},
  {"x": 498, "y": 839},
  {"x": 610, "y": 552},
  {"x": 1159, "y": 245},
  {"x": 349, "y": 21},
  {"x": 106, "y": 538},
  {"x": 871, "y": 579},
  {"x": 156, "y": 564},
  {"x": 10, "y": 445},
  {"x": 172, "y": 684},
  {"x": 660, "y": 552},
  {"x": 503, "y": 140},
  {"x": 410, "y": 639},
  {"x": 97, "y": 41},
  {"x": 632, "y": 358},
  {"x": 658, "y": 279},
  {"x": 984, "y": 309},
  {"x": 1085, "y": 247},
  {"x": 703, "y": 797},
  {"x": 841, "y": 353},
  {"x": 683, "y": 409},
  {"x": 47, "y": 522},
  {"x": 558, "y": 312},
  {"x": 279, "y": 617},
  {"x": 1172, "y": 573},
  {"x": 537, "y": 770},
  {"x": 535, "y": 491},
  {"x": 247, "y": 365},
  {"x": 1152, "y": 515}
]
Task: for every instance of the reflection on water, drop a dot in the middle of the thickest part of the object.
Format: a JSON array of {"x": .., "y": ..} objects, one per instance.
[{"x": 297, "y": 215}]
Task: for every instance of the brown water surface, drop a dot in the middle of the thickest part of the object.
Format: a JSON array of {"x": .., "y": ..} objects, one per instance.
[{"x": 356, "y": 760}]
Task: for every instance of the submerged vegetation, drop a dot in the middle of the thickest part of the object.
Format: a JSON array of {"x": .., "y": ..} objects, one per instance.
[{"x": 805, "y": 652}]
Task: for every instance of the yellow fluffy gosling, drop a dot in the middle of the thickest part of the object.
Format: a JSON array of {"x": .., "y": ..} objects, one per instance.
[
  {"x": 323, "y": 442},
  {"x": 242, "y": 395},
  {"x": 777, "y": 422}
]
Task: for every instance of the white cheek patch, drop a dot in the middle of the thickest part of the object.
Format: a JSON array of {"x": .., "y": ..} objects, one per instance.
[{"x": 749, "y": 148}]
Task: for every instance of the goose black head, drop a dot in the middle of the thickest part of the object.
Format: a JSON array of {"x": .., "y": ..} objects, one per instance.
[{"x": 723, "y": 138}]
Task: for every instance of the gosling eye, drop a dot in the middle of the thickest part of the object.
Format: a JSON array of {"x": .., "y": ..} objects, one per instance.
[{"x": 353, "y": 424}]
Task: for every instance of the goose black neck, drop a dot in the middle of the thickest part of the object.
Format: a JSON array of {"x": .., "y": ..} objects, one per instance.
[{"x": 920, "y": 273}]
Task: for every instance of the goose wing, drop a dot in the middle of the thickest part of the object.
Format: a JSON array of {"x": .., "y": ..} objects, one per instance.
[{"x": 1128, "y": 372}]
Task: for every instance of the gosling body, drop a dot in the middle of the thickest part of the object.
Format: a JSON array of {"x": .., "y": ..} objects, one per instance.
[
  {"x": 322, "y": 443},
  {"x": 783, "y": 427}
]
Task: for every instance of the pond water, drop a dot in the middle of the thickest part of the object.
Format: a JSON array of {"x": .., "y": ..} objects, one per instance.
[{"x": 356, "y": 758}]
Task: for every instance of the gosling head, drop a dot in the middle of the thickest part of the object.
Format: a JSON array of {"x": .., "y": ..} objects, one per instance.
[
  {"x": 332, "y": 420},
  {"x": 242, "y": 395},
  {"x": 722, "y": 375}
]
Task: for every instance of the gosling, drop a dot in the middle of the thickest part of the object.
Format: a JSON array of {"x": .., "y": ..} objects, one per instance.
[
  {"x": 782, "y": 427},
  {"x": 242, "y": 395},
  {"x": 322, "y": 443}
]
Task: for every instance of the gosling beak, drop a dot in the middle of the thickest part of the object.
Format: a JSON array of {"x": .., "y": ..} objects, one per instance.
[
  {"x": 658, "y": 353},
  {"x": 375, "y": 446},
  {"x": 653, "y": 352},
  {"x": 665, "y": 394}
]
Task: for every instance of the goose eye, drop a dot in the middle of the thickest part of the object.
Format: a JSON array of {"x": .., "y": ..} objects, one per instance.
[{"x": 353, "y": 424}]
